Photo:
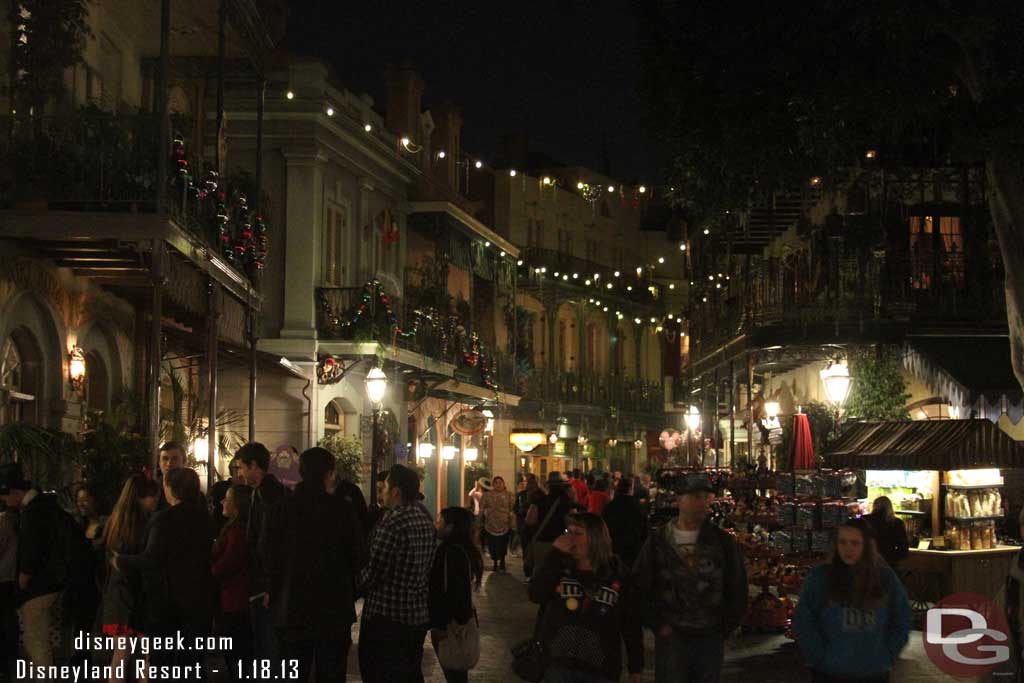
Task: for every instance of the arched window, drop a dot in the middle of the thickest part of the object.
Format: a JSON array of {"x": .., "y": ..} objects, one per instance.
[
  {"x": 97, "y": 382},
  {"x": 333, "y": 422},
  {"x": 19, "y": 377}
]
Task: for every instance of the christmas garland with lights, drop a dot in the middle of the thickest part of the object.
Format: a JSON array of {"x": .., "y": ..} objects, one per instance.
[{"x": 374, "y": 304}]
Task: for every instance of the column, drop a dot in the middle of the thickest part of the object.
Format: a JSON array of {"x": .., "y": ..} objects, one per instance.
[{"x": 303, "y": 239}]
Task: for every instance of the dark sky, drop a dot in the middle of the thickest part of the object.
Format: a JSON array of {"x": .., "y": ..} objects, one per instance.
[{"x": 564, "y": 72}]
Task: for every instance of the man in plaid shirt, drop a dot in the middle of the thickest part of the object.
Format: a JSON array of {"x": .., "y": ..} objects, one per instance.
[{"x": 395, "y": 619}]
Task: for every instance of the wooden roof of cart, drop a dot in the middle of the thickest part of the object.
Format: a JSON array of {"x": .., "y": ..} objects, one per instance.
[{"x": 924, "y": 445}]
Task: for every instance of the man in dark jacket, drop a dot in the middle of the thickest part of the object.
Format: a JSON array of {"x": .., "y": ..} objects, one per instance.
[
  {"x": 626, "y": 522},
  {"x": 692, "y": 576},
  {"x": 316, "y": 549},
  {"x": 50, "y": 548},
  {"x": 254, "y": 464},
  {"x": 172, "y": 457}
]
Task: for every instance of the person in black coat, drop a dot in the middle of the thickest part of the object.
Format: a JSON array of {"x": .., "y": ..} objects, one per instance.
[
  {"x": 316, "y": 547},
  {"x": 890, "y": 533},
  {"x": 175, "y": 566},
  {"x": 626, "y": 521},
  {"x": 459, "y": 556}
]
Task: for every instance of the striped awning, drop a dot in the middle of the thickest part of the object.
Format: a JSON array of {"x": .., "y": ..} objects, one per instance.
[{"x": 924, "y": 445}]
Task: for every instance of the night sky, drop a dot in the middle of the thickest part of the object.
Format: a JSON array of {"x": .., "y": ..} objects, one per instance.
[{"x": 565, "y": 73}]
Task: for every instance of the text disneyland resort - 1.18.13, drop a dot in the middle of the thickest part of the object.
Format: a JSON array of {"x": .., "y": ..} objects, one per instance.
[{"x": 141, "y": 661}]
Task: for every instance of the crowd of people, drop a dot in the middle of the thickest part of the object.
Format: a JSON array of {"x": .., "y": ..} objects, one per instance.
[{"x": 278, "y": 572}]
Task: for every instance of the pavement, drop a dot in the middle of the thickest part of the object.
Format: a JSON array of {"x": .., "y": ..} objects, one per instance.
[{"x": 507, "y": 616}]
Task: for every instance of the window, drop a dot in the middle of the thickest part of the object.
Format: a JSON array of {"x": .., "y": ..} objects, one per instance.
[
  {"x": 565, "y": 242},
  {"x": 16, "y": 381},
  {"x": 335, "y": 229},
  {"x": 333, "y": 422},
  {"x": 936, "y": 251}
]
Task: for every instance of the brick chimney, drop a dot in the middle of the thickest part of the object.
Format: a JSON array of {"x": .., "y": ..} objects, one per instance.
[
  {"x": 447, "y": 137},
  {"x": 404, "y": 99}
]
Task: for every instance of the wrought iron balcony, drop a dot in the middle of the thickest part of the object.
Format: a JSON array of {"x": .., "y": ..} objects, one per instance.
[
  {"x": 575, "y": 272},
  {"x": 789, "y": 300},
  {"x": 92, "y": 160},
  {"x": 602, "y": 390}
]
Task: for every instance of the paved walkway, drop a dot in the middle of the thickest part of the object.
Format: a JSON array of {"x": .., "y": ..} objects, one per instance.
[{"x": 506, "y": 617}]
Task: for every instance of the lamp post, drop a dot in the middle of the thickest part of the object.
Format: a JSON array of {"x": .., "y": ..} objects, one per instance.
[
  {"x": 376, "y": 386},
  {"x": 692, "y": 420},
  {"x": 837, "y": 380}
]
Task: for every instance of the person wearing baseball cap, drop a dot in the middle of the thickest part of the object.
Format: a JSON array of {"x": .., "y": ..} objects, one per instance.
[{"x": 692, "y": 576}]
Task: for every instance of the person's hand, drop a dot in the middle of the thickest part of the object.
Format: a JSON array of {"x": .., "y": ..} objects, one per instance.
[
  {"x": 665, "y": 631},
  {"x": 563, "y": 543}
]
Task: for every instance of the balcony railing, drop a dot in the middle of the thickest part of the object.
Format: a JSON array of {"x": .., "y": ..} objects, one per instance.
[
  {"x": 366, "y": 314},
  {"x": 595, "y": 389},
  {"x": 795, "y": 297},
  {"x": 93, "y": 160}
]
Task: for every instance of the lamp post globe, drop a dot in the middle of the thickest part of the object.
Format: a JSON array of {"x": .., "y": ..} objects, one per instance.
[{"x": 376, "y": 386}]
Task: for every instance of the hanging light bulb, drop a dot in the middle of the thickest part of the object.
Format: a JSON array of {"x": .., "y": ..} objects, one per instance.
[
  {"x": 629, "y": 288},
  {"x": 611, "y": 188},
  {"x": 512, "y": 172},
  {"x": 682, "y": 246},
  {"x": 479, "y": 164},
  {"x": 519, "y": 262},
  {"x": 441, "y": 154},
  {"x": 330, "y": 110},
  {"x": 290, "y": 95},
  {"x": 405, "y": 141},
  {"x": 617, "y": 273},
  {"x": 642, "y": 189},
  {"x": 579, "y": 185},
  {"x": 367, "y": 128},
  {"x": 707, "y": 231},
  {"x": 639, "y": 271},
  {"x": 672, "y": 285},
  {"x": 661, "y": 259},
  {"x": 637, "y": 320},
  {"x": 547, "y": 180}
]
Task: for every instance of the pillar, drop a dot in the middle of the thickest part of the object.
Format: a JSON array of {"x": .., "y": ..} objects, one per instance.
[{"x": 303, "y": 221}]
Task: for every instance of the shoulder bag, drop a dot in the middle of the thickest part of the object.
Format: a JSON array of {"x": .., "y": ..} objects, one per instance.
[{"x": 458, "y": 647}]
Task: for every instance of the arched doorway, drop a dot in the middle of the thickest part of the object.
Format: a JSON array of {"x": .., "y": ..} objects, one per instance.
[{"x": 340, "y": 418}]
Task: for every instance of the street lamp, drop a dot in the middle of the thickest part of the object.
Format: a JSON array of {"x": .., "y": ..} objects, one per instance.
[
  {"x": 692, "y": 419},
  {"x": 836, "y": 378},
  {"x": 376, "y": 386},
  {"x": 76, "y": 368}
]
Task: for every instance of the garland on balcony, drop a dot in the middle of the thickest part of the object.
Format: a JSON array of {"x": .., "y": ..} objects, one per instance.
[{"x": 474, "y": 353}]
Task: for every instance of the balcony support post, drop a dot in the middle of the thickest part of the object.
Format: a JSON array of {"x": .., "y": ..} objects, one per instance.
[
  {"x": 750, "y": 405},
  {"x": 163, "y": 151},
  {"x": 155, "y": 349},
  {"x": 222, "y": 21},
  {"x": 714, "y": 428},
  {"x": 732, "y": 414},
  {"x": 212, "y": 326},
  {"x": 261, "y": 98},
  {"x": 250, "y": 323}
]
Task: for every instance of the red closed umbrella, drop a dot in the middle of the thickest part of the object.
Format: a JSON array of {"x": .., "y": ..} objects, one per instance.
[{"x": 801, "y": 447}]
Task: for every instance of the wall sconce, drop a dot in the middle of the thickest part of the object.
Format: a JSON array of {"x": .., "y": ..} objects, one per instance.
[
  {"x": 553, "y": 438},
  {"x": 638, "y": 443},
  {"x": 424, "y": 450},
  {"x": 448, "y": 452},
  {"x": 76, "y": 368},
  {"x": 471, "y": 454}
]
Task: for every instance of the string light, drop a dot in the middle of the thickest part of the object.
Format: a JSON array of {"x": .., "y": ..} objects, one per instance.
[
  {"x": 579, "y": 185},
  {"x": 629, "y": 288},
  {"x": 672, "y": 285},
  {"x": 609, "y": 285},
  {"x": 368, "y": 128},
  {"x": 661, "y": 259},
  {"x": 639, "y": 271},
  {"x": 519, "y": 262},
  {"x": 707, "y": 231},
  {"x": 682, "y": 247},
  {"x": 557, "y": 273},
  {"x": 870, "y": 154},
  {"x": 441, "y": 154},
  {"x": 617, "y": 273},
  {"x": 512, "y": 172},
  {"x": 565, "y": 277},
  {"x": 637, "y": 320},
  {"x": 502, "y": 254},
  {"x": 671, "y": 317},
  {"x": 643, "y": 189},
  {"x": 547, "y": 180},
  {"x": 479, "y": 164},
  {"x": 605, "y": 309},
  {"x": 653, "y": 320},
  {"x": 290, "y": 95},
  {"x": 405, "y": 142},
  {"x": 487, "y": 245},
  {"x": 587, "y": 283},
  {"x": 330, "y": 110},
  {"x": 611, "y": 188},
  {"x": 815, "y": 181},
  {"x": 575, "y": 276}
]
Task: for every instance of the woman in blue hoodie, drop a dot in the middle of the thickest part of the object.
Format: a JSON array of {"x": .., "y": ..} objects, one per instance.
[{"x": 853, "y": 618}]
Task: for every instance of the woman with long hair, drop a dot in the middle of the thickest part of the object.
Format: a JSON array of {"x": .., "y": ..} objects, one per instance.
[
  {"x": 458, "y": 567},
  {"x": 853, "y": 617},
  {"x": 125, "y": 532},
  {"x": 175, "y": 565},
  {"x": 589, "y": 607},
  {"x": 889, "y": 530},
  {"x": 497, "y": 505},
  {"x": 230, "y": 569}
]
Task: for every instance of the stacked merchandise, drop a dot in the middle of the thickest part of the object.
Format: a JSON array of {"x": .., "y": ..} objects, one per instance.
[{"x": 786, "y": 534}]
